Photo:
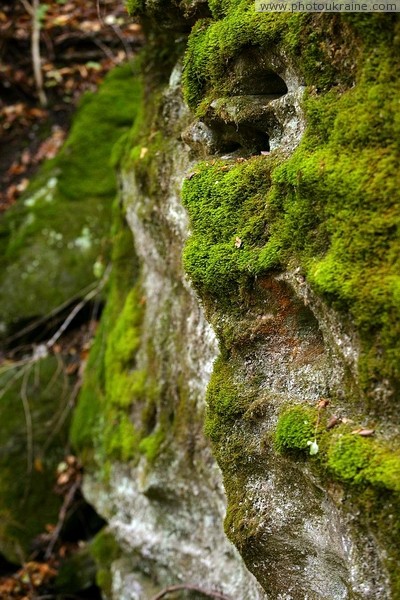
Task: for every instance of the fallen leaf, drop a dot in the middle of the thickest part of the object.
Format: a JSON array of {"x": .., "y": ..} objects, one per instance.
[
  {"x": 38, "y": 465},
  {"x": 22, "y": 185},
  {"x": 323, "y": 403},
  {"x": 72, "y": 368},
  {"x": 366, "y": 432},
  {"x": 333, "y": 421}
]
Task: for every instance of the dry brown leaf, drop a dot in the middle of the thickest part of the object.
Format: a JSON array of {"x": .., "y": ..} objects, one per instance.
[
  {"x": 333, "y": 421},
  {"x": 366, "y": 432},
  {"x": 72, "y": 368},
  {"x": 38, "y": 465},
  {"x": 323, "y": 403}
]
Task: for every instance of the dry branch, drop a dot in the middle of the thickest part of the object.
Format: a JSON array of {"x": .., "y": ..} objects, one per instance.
[{"x": 192, "y": 588}]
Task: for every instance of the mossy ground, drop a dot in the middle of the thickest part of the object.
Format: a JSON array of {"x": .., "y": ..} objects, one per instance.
[{"x": 51, "y": 239}]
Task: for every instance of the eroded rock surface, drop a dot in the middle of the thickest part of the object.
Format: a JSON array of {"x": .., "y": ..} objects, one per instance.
[{"x": 255, "y": 161}]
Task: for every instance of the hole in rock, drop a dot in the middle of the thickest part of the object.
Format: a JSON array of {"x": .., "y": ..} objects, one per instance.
[
  {"x": 228, "y": 147},
  {"x": 244, "y": 139},
  {"x": 262, "y": 83},
  {"x": 82, "y": 522},
  {"x": 255, "y": 73}
]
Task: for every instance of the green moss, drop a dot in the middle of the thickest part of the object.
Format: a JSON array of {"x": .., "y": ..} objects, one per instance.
[
  {"x": 51, "y": 239},
  {"x": 226, "y": 400},
  {"x": 151, "y": 445},
  {"x": 103, "y": 428},
  {"x": 135, "y": 7},
  {"x": 104, "y": 549},
  {"x": 332, "y": 207},
  {"x": 295, "y": 428},
  {"x": 226, "y": 204},
  {"x": 111, "y": 383},
  {"x": 350, "y": 457},
  {"x": 308, "y": 42},
  {"x": 103, "y": 116},
  {"x": 214, "y": 45},
  {"x": 359, "y": 460}
]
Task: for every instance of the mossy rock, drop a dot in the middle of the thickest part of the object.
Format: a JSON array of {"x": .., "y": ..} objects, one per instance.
[
  {"x": 77, "y": 573},
  {"x": 33, "y": 440},
  {"x": 331, "y": 207},
  {"x": 295, "y": 429},
  {"x": 52, "y": 238},
  {"x": 105, "y": 550},
  {"x": 329, "y": 212},
  {"x": 103, "y": 429}
]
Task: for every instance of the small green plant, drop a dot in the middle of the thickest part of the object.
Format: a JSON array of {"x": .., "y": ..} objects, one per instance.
[{"x": 295, "y": 428}]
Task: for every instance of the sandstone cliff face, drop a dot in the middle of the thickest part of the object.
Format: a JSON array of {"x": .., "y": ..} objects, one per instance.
[{"x": 259, "y": 156}]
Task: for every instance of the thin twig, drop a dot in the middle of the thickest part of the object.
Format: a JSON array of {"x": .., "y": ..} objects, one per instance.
[
  {"x": 28, "y": 421},
  {"x": 98, "y": 12},
  {"x": 61, "y": 516},
  {"x": 78, "y": 308},
  {"x": 104, "y": 48},
  {"x": 118, "y": 32},
  {"x": 192, "y": 588},
  {"x": 33, "y": 10},
  {"x": 28, "y": 7},
  {"x": 57, "y": 371},
  {"x": 68, "y": 407},
  {"x": 51, "y": 314},
  {"x": 13, "y": 379}
]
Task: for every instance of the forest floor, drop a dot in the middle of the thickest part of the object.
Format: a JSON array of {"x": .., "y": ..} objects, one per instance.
[{"x": 80, "y": 41}]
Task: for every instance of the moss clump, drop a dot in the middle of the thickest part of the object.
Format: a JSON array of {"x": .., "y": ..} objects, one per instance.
[
  {"x": 51, "y": 239},
  {"x": 358, "y": 460},
  {"x": 226, "y": 400},
  {"x": 350, "y": 457},
  {"x": 105, "y": 550},
  {"x": 295, "y": 428},
  {"x": 214, "y": 44},
  {"x": 227, "y": 209}
]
